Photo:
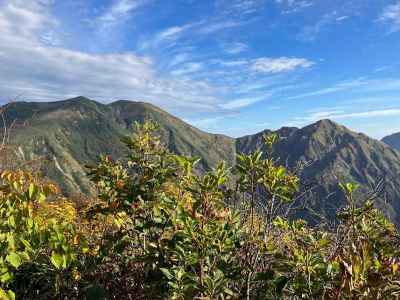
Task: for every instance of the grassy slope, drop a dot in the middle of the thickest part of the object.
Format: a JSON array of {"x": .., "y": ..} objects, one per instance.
[{"x": 73, "y": 133}]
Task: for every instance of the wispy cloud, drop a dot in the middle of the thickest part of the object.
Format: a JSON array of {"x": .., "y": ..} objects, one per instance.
[
  {"x": 231, "y": 63},
  {"x": 168, "y": 35},
  {"x": 119, "y": 11},
  {"x": 292, "y": 6},
  {"x": 391, "y": 15},
  {"x": 311, "y": 32},
  {"x": 187, "y": 69},
  {"x": 239, "y": 7},
  {"x": 209, "y": 28},
  {"x": 235, "y": 48},
  {"x": 179, "y": 58},
  {"x": 341, "y": 115},
  {"x": 360, "y": 85},
  {"x": 279, "y": 65},
  {"x": 243, "y": 102}
]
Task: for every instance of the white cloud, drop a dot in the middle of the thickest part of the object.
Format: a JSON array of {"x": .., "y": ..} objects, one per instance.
[
  {"x": 208, "y": 28},
  {"x": 239, "y": 7},
  {"x": 359, "y": 85},
  {"x": 232, "y": 63},
  {"x": 279, "y": 65},
  {"x": 370, "y": 114},
  {"x": 179, "y": 58},
  {"x": 172, "y": 32},
  {"x": 19, "y": 19},
  {"x": 341, "y": 115},
  {"x": 382, "y": 68},
  {"x": 341, "y": 18},
  {"x": 243, "y": 102},
  {"x": 235, "y": 48},
  {"x": 391, "y": 15},
  {"x": 168, "y": 35},
  {"x": 32, "y": 68},
  {"x": 39, "y": 72},
  {"x": 187, "y": 69},
  {"x": 311, "y": 32},
  {"x": 294, "y": 5},
  {"x": 202, "y": 28},
  {"x": 119, "y": 10}
]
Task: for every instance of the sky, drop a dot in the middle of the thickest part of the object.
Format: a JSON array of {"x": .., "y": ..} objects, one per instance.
[{"x": 225, "y": 66}]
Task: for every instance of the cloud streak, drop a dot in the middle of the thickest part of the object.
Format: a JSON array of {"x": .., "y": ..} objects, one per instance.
[
  {"x": 357, "y": 85},
  {"x": 119, "y": 11},
  {"x": 235, "y": 48},
  {"x": 243, "y": 102},
  {"x": 391, "y": 15},
  {"x": 343, "y": 115},
  {"x": 293, "y": 6},
  {"x": 279, "y": 65}
]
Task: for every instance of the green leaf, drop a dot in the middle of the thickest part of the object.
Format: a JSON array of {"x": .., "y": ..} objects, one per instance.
[
  {"x": 167, "y": 273},
  {"x": 281, "y": 172},
  {"x": 6, "y": 295},
  {"x": 14, "y": 259},
  {"x": 57, "y": 260},
  {"x": 11, "y": 295},
  {"x": 5, "y": 276}
]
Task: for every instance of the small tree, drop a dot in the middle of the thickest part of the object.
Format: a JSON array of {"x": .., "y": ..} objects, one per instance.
[{"x": 38, "y": 240}]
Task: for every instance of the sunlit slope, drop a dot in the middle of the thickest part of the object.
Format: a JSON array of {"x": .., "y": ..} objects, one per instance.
[{"x": 73, "y": 133}]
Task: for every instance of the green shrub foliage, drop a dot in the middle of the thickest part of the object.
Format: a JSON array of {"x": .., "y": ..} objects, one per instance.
[{"x": 159, "y": 229}]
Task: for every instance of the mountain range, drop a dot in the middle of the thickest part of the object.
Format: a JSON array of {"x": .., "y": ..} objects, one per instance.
[
  {"x": 72, "y": 133},
  {"x": 393, "y": 140}
]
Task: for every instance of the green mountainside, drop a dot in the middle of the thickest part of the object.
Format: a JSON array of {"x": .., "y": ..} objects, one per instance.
[
  {"x": 332, "y": 153},
  {"x": 73, "y": 133},
  {"x": 393, "y": 140}
]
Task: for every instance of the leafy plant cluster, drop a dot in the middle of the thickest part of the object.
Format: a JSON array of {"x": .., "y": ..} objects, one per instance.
[{"x": 160, "y": 230}]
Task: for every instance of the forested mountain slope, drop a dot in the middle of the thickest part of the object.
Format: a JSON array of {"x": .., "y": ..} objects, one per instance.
[
  {"x": 333, "y": 153},
  {"x": 70, "y": 134},
  {"x": 73, "y": 133}
]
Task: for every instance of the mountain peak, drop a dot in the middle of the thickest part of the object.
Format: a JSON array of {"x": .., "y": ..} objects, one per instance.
[
  {"x": 322, "y": 127},
  {"x": 78, "y": 100},
  {"x": 326, "y": 123}
]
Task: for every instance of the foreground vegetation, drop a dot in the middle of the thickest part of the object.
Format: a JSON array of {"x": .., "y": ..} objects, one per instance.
[{"x": 159, "y": 230}]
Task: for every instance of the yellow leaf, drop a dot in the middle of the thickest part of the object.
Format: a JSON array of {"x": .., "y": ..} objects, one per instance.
[
  {"x": 395, "y": 267},
  {"x": 32, "y": 190}
]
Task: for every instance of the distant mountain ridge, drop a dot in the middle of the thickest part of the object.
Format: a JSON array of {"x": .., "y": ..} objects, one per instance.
[
  {"x": 393, "y": 140},
  {"x": 74, "y": 132},
  {"x": 337, "y": 154}
]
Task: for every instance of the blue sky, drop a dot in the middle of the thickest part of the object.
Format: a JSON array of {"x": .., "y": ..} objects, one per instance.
[{"x": 227, "y": 66}]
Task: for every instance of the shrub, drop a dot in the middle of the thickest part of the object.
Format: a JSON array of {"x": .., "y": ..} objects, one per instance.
[
  {"x": 38, "y": 239},
  {"x": 159, "y": 229}
]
